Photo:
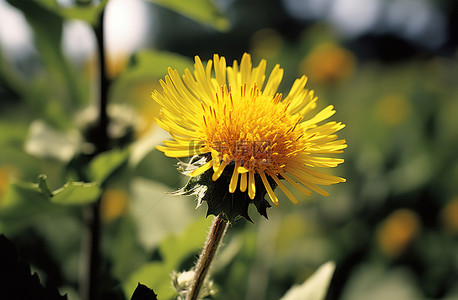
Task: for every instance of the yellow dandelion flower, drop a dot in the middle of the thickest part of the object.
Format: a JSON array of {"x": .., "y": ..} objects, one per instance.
[{"x": 239, "y": 128}]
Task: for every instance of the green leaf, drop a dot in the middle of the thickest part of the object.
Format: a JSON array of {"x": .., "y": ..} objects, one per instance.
[
  {"x": 174, "y": 249},
  {"x": 315, "y": 287},
  {"x": 85, "y": 12},
  {"x": 380, "y": 281},
  {"x": 89, "y": 14},
  {"x": 146, "y": 67},
  {"x": 121, "y": 244},
  {"x": 47, "y": 28},
  {"x": 10, "y": 78},
  {"x": 142, "y": 292},
  {"x": 154, "y": 64},
  {"x": 151, "y": 207},
  {"x": 155, "y": 275},
  {"x": 106, "y": 163},
  {"x": 16, "y": 277},
  {"x": 76, "y": 193},
  {"x": 202, "y": 11},
  {"x": 24, "y": 198}
]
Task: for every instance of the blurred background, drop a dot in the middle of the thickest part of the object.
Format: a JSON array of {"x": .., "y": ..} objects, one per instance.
[{"x": 389, "y": 67}]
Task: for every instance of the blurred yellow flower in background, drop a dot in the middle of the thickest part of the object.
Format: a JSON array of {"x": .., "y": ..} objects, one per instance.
[
  {"x": 392, "y": 109},
  {"x": 449, "y": 216},
  {"x": 116, "y": 63},
  {"x": 113, "y": 204},
  {"x": 235, "y": 126},
  {"x": 328, "y": 63},
  {"x": 397, "y": 231},
  {"x": 6, "y": 171}
]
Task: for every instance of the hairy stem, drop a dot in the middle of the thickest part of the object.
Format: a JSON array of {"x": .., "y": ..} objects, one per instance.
[
  {"x": 211, "y": 246},
  {"x": 91, "y": 240}
]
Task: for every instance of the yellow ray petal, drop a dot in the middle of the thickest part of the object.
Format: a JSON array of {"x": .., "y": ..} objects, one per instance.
[
  {"x": 234, "y": 180},
  {"x": 284, "y": 189},
  {"x": 197, "y": 147},
  {"x": 177, "y": 130},
  {"x": 324, "y": 176},
  {"x": 251, "y": 185},
  {"x": 220, "y": 69},
  {"x": 271, "y": 193},
  {"x": 311, "y": 186},
  {"x": 245, "y": 68},
  {"x": 298, "y": 86},
  {"x": 274, "y": 81},
  {"x": 296, "y": 185},
  {"x": 301, "y": 173},
  {"x": 258, "y": 75},
  {"x": 170, "y": 152},
  {"x": 242, "y": 170},
  {"x": 201, "y": 169},
  {"x": 243, "y": 182},
  {"x": 322, "y": 115},
  {"x": 219, "y": 171}
]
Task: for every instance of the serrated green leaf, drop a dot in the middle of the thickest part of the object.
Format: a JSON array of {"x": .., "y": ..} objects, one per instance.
[
  {"x": 76, "y": 193},
  {"x": 17, "y": 279},
  {"x": 22, "y": 193},
  {"x": 142, "y": 292},
  {"x": 25, "y": 198},
  {"x": 155, "y": 275},
  {"x": 202, "y": 11},
  {"x": 23, "y": 201},
  {"x": 106, "y": 163}
]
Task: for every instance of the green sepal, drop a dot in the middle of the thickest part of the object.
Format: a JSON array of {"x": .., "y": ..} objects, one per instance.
[{"x": 219, "y": 200}]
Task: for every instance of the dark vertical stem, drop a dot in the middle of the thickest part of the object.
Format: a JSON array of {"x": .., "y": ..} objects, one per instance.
[
  {"x": 90, "y": 268},
  {"x": 211, "y": 246},
  {"x": 91, "y": 243},
  {"x": 102, "y": 143}
]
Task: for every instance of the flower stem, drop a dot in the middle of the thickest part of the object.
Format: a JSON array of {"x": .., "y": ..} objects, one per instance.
[
  {"x": 91, "y": 241},
  {"x": 217, "y": 231}
]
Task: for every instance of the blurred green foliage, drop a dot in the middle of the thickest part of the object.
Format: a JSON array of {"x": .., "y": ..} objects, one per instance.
[
  {"x": 391, "y": 228},
  {"x": 203, "y": 11}
]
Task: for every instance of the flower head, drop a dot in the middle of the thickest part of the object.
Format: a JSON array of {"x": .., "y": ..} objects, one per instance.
[{"x": 246, "y": 139}]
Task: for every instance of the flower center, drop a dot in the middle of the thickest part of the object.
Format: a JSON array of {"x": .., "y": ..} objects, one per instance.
[{"x": 251, "y": 130}]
